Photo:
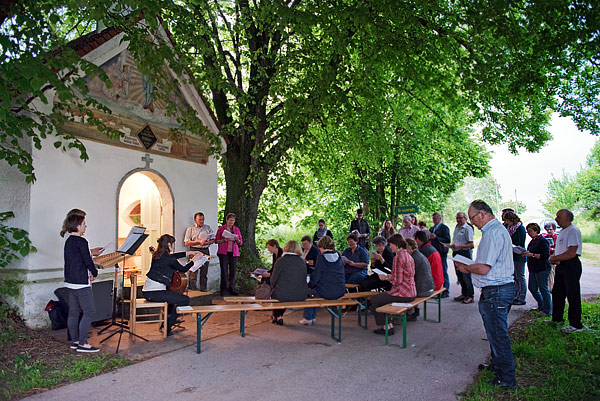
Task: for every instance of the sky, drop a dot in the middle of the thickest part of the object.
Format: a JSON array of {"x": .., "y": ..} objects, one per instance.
[{"x": 529, "y": 173}]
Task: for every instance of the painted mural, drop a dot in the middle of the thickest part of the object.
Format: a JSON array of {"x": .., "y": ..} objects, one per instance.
[{"x": 141, "y": 118}]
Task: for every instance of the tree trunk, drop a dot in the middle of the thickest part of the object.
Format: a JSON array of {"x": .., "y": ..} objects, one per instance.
[{"x": 242, "y": 199}]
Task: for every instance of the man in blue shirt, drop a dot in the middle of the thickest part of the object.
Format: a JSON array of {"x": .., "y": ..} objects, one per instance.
[
  {"x": 356, "y": 261},
  {"x": 492, "y": 271}
]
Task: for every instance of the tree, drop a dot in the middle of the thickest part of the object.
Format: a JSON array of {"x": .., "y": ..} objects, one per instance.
[
  {"x": 278, "y": 69},
  {"x": 484, "y": 188}
]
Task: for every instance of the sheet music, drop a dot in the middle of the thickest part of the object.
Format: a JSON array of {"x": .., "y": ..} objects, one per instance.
[
  {"x": 135, "y": 233},
  {"x": 377, "y": 271},
  {"x": 402, "y": 304},
  {"x": 184, "y": 308},
  {"x": 462, "y": 259},
  {"x": 198, "y": 261},
  {"x": 105, "y": 247},
  {"x": 228, "y": 235},
  {"x": 518, "y": 249}
]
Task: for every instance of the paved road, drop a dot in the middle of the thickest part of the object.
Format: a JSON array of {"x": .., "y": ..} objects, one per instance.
[{"x": 294, "y": 362}]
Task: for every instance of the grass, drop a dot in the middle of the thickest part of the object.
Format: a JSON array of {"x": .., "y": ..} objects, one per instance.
[
  {"x": 550, "y": 365},
  {"x": 590, "y": 254},
  {"x": 590, "y": 231},
  {"x": 31, "y": 361}
]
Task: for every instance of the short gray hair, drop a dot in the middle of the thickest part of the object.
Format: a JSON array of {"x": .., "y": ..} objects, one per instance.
[
  {"x": 379, "y": 240},
  {"x": 551, "y": 223},
  {"x": 438, "y": 214},
  {"x": 407, "y": 217},
  {"x": 481, "y": 206}
]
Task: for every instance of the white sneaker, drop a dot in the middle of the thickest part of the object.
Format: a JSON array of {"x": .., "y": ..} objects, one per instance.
[
  {"x": 571, "y": 329},
  {"x": 307, "y": 322}
]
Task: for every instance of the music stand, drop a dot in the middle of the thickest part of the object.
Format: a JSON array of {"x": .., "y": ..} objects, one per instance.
[{"x": 122, "y": 327}]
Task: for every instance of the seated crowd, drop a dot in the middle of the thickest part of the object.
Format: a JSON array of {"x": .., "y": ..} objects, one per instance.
[{"x": 401, "y": 269}]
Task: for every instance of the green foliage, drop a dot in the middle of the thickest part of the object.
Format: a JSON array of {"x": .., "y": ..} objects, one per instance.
[
  {"x": 578, "y": 192},
  {"x": 472, "y": 188},
  {"x": 551, "y": 365},
  {"x": 14, "y": 244},
  {"x": 511, "y": 204}
]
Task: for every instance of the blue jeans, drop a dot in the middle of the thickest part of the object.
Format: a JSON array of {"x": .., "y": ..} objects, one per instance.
[
  {"x": 354, "y": 276},
  {"x": 311, "y": 313},
  {"x": 494, "y": 306},
  {"x": 538, "y": 286},
  {"x": 445, "y": 269}
]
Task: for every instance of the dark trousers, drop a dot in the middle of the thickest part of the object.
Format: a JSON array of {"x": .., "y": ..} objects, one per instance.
[
  {"x": 174, "y": 299},
  {"x": 373, "y": 282},
  {"x": 81, "y": 300},
  {"x": 384, "y": 299},
  {"x": 228, "y": 268},
  {"x": 466, "y": 285},
  {"x": 199, "y": 278},
  {"x": 566, "y": 285}
]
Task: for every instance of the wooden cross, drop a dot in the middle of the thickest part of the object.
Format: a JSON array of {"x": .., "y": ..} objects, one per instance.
[{"x": 147, "y": 159}]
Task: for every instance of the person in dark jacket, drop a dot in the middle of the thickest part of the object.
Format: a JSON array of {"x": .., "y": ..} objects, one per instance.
[
  {"x": 440, "y": 235},
  {"x": 276, "y": 252},
  {"x": 538, "y": 252},
  {"x": 517, "y": 235},
  {"x": 328, "y": 280},
  {"x": 381, "y": 260},
  {"x": 310, "y": 252},
  {"x": 288, "y": 281},
  {"x": 79, "y": 273},
  {"x": 321, "y": 232},
  {"x": 158, "y": 279}
]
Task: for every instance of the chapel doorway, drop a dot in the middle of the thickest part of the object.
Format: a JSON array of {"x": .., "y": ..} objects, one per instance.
[{"x": 144, "y": 199}]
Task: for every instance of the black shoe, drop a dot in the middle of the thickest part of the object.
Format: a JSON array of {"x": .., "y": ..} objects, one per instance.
[
  {"x": 222, "y": 293},
  {"x": 417, "y": 311},
  {"x": 169, "y": 332},
  {"x": 411, "y": 318},
  {"x": 519, "y": 303},
  {"x": 485, "y": 366},
  {"x": 381, "y": 331},
  {"x": 233, "y": 292},
  {"x": 445, "y": 295},
  {"x": 87, "y": 349},
  {"x": 502, "y": 384},
  {"x": 280, "y": 322}
]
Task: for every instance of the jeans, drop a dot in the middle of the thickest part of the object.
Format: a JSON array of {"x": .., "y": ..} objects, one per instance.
[
  {"x": 566, "y": 284},
  {"x": 311, "y": 313},
  {"x": 444, "y": 257},
  {"x": 174, "y": 299},
  {"x": 81, "y": 300},
  {"x": 520, "y": 285},
  {"x": 354, "y": 276},
  {"x": 494, "y": 306},
  {"x": 538, "y": 286},
  {"x": 228, "y": 268}
]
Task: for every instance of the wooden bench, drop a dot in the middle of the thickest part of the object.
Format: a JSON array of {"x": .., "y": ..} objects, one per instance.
[
  {"x": 398, "y": 311},
  {"x": 360, "y": 298},
  {"x": 243, "y": 308}
]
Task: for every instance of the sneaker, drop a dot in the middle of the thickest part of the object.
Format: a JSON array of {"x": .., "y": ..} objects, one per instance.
[
  {"x": 518, "y": 302},
  {"x": 74, "y": 345},
  {"x": 307, "y": 322},
  {"x": 445, "y": 295},
  {"x": 571, "y": 329},
  {"x": 459, "y": 298},
  {"x": 468, "y": 300},
  {"x": 89, "y": 348}
]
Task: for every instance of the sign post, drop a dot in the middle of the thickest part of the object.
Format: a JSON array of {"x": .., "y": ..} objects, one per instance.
[{"x": 400, "y": 210}]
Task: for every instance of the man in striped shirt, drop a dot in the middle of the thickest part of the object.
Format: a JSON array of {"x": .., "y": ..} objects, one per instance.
[{"x": 492, "y": 272}]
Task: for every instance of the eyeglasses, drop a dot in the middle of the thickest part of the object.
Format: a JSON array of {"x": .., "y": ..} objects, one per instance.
[{"x": 472, "y": 217}]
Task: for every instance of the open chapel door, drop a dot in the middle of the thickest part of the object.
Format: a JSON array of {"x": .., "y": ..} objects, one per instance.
[{"x": 144, "y": 200}]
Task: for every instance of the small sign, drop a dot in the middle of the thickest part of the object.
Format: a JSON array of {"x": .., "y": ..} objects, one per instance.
[
  {"x": 147, "y": 137},
  {"x": 399, "y": 210}
]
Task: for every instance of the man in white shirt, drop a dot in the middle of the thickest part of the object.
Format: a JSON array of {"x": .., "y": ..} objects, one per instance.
[
  {"x": 462, "y": 244},
  {"x": 199, "y": 237},
  {"x": 568, "y": 272}
]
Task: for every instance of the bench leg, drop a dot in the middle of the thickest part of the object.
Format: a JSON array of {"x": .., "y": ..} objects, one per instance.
[
  {"x": 389, "y": 318},
  {"x": 337, "y": 314},
  {"x": 439, "y": 302},
  {"x": 362, "y": 306},
  {"x": 199, "y": 323},
  {"x": 243, "y": 323}
]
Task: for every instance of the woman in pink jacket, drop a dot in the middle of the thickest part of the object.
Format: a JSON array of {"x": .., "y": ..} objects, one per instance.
[{"x": 229, "y": 239}]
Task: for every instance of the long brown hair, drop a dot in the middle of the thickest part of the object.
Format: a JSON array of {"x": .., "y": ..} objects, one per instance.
[{"x": 163, "y": 246}]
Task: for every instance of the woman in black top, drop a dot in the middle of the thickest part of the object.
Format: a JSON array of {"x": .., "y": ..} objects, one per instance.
[
  {"x": 538, "y": 252},
  {"x": 79, "y": 273},
  {"x": 288, "y": 281},
  {"x": 275, "y": 250},
  {"x": 158, "y": 279}
]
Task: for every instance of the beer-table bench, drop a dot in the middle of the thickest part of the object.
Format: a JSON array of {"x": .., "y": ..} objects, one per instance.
[
  {"x": 360, "y": 298},
  {"x": 334, "y": 307},
  {"x": 400, "y": 311}
]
